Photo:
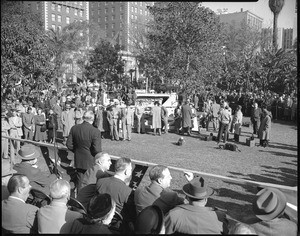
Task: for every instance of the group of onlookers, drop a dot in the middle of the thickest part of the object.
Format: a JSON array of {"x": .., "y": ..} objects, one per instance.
[
  {"x": 109, "y": 205},
  {"x": 282, "y": 106}
]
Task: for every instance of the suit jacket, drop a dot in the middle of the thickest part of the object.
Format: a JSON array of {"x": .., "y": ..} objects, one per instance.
[
  {"x": 18, "y": 217},
  {"x": 188, "y": 219},
  {"x": 37, "y": 178},
  {"x": 85, "y": 141},
  {"x": 127, "y": 116},
  {"x": 275, "y": 227},
  {"x": 154, "y": 194},
  {"x": 56, "y": 218}
]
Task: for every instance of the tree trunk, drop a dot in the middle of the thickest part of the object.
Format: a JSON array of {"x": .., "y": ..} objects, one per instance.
[{"x": 275, "y": 31}]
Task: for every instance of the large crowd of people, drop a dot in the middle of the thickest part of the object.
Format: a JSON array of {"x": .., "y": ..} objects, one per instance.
[{"x": 111, "y": 206}]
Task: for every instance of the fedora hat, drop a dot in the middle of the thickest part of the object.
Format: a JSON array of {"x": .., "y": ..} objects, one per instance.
[
  {"x": 270, "y": 203},
  {"x": 197, "y": 189},
  {"x": 28, "y": 152},
  {"x": 149, "y": 221}
]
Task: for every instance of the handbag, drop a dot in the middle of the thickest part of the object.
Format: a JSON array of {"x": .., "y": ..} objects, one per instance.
[{"x": 43, "y": 128}]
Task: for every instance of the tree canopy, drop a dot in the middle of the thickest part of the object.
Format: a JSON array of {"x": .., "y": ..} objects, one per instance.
[{"x": 25, "y": 52}]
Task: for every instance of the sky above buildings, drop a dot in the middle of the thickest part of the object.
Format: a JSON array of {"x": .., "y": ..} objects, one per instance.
[{"x": 260, "y": 8}]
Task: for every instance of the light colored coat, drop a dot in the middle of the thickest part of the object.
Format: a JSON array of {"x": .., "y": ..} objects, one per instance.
[
  {"x": 68, "y": 120},
  {"x": 264, "y": 130},
  {"x": 156, "y": 117}
]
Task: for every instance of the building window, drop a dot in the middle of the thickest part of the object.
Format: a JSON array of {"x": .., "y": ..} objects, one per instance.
[
  {"x": 53, "y": 6},
  {"x": 99, "y": 4},
  {"x": 136, "y": 3},
  {"x": 132, "y": 16},
  {"x": 80, "y": 3},
  {"x": 121, "y": 17},
  {"x": 68, "y": 9},
  {"x": 58, "y": 7},
  {"x": 37, "y": 5},
  {"x": 113, "y": 25},
  {"x": 75, "y": 12},
  {"x": 132, "y": 8},
  {"x": 141, "y": 4},
  {"x": 135, "y": 17},
  {"x": 141, "y": 11},
  {"x": 53, "y": 27},
  {"x": 121, "y": 25},
  {"x": 68, "y": 20},
  {"x": 59, "y": 28},
  {"x": 106, "y": 26},
  {"x": 80, "y": 20},
  {"x": 53, "y": 17},
  {"x": 113, "y": 17},
  {"x": 135, "y": 9},
  {"x": 106, "y": 18},
  {"x": 81, "y": 13},
  {"x": 113, "y": 10},
  {"x": 98, "y": 20},
  {"x": 58, "y": 18},
  {"x": 121, "y": 8},
  {"x": 106, "y": 10},
  {"x": 106, "y": 3}
]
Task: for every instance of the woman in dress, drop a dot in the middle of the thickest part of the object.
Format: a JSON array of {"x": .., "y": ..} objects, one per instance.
[
  {"x": 156, "y": 118},
  {"x": 40, "y": 126}
]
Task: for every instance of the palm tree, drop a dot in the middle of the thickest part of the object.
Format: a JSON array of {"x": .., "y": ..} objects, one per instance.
[{"x": 275, "y": 6}]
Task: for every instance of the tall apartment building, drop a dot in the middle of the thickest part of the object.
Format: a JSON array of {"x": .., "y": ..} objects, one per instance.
[
  {"x": 287, "y": 38},
  {"x": 295, "y": 24},
  {"x": 121, "y": 21},
  {"x": 235, "y": 19},
  {"x": 57, "y": 14}
]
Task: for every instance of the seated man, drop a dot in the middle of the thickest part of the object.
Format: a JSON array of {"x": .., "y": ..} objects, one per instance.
[
  {"x": 269, "y": 208},
  {"x": 195, "y": 218},
  {"x": 38, "y": 179},
  {"x": 99, "y": 170},
  {"x": 158, "y": 192},
  {"x": 87, "y": 188},
  {"x": 117, "y": 185},
  {"x": 18, "y": 217},
  {"x": 57, "y": 218}
]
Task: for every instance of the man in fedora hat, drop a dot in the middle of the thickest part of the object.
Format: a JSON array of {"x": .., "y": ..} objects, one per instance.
[
  {"x": 38, "y": 179},
  {"x": 195, "y": 218},
  {"x": 269, "y": 208},
  {"x": 28, "y": 124}
]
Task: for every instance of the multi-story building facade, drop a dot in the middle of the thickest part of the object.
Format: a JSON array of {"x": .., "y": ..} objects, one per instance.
[
  {"x": 287, "y": 38},
  {"x": 121, "y": 22},
  {"x": 235, "y": 19},
  {"x": 57, "y": 14}
]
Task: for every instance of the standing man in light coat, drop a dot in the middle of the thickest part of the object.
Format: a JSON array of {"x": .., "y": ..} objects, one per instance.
[
  {"x": 68, "y": 120},
  {"x": 127, "y": 118},
  {"x": 139, "y": 113}
]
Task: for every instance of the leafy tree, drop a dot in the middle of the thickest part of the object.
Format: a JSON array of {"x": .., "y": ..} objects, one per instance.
[
  {"x": 276, "y": 7},
  {"x": 182, "y": 38},
  {"x": 105, "y": 64},
  {"x": 25, "y": 53}
]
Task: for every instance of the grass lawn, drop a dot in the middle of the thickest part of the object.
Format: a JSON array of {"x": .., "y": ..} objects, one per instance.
[{"x": 275, "y": 164}]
